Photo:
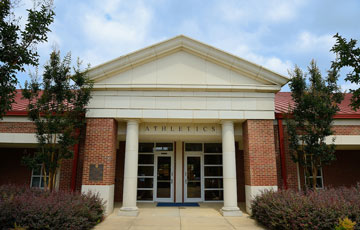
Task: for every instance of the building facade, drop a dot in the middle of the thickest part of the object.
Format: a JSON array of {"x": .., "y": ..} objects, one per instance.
[{"x": 180, "y": 121}]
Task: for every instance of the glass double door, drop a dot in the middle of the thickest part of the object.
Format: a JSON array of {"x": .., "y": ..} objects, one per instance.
[
  {"x": 193, "y": 188},
  {"x": 164, "y": 183}
]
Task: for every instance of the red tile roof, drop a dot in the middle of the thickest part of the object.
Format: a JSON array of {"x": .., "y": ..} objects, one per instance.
[{"x": 282, "y": 102}]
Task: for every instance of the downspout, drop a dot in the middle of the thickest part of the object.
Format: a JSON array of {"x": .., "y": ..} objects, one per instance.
[
  {"x": 75, "y": 164},
  {"x": 282, "y": 152}
]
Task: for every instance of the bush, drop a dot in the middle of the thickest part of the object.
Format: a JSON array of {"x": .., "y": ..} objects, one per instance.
[
  {"x": 321, "y": 209},
  {"x": 38, "y": 209}
]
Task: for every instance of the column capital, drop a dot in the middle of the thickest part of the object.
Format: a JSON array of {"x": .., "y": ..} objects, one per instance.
[
  {"x": 132, "y": 121},
  {"x": 226, "y": 122}
]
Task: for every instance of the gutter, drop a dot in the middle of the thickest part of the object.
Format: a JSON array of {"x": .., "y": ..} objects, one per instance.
[{"x": 282, "y": 152}]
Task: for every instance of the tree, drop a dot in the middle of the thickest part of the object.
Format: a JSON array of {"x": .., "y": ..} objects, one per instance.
[
  {"x": 310, "y": 120},
  {"x": 57, "y": 107},
  {"x": 348, "y": 55},
  {"x": 17, "y": 46}
]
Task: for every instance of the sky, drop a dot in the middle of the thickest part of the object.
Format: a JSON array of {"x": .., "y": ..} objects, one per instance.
[{"x": 277, "y": 34}]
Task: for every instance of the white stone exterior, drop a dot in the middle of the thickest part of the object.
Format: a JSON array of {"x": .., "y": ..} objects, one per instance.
[
  {"x": 252, "y": 191},
  {"x": 195, "y": 91},
  {"x": 106, "y": 193}
]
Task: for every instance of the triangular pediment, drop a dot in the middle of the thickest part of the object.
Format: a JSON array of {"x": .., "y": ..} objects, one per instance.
[{"x": 183, "y": 63}]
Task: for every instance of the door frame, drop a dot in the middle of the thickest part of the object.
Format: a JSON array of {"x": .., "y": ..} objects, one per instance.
[
  {"x": 194, "y": 154},
  {"x": 171, "y": 155}
]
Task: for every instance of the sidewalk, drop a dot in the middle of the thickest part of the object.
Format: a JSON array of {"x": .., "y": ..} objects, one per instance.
[{"x": 151, "y": 217}]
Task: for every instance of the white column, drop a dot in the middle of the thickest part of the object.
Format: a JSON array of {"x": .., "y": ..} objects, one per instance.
[
  {"x": 130, "y": 171},
  {"x": 229, "y": 170}
]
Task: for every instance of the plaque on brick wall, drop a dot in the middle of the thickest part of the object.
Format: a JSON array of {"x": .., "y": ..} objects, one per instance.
[{"x": 96, "y": 172}]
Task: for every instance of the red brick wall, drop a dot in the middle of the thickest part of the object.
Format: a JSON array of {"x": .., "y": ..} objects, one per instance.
[
  {"x": 119, "y": 174},
  {"x": 18, "y": 172},
  {"x": 17, "y": 127},
  {"x": 100, "y": 148},
  {"x": 80, "y": 167},
  {"x": 240, "y": 177},
  {"x": 65, "y": 174},
  {"x": 343, "y": 171},
  {"x": 259, "y": 153},
  {"x": 347, "y": 129},
  {"x": 291, "y": 169},
  {"x": 11, "y": 169}
]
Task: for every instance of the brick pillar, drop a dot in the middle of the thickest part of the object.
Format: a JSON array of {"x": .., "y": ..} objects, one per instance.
[
  {"x": 259, "y": 158},
  {"x": 100, "y": 159}
]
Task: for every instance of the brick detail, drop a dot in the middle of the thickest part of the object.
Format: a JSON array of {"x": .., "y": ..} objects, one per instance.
[
  {"x": 65, "y": 174},
  {"x": 80, "y": 164},
  {"x": 100, "y": 148},
  {"x": 119, "y": 180},
  {"x": 346, "y": 129},
  {"x": 12, "y": 171},
  {"x": 291, "y": 168},
  {"x": 240, "y": 179},
  {"x": 17, "y": 127},
  {"x": 259, "y": 153}
]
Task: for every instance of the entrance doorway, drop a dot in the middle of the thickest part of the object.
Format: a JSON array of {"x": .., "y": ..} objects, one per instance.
[
  {"x": 193, "y": 177},
  {"x": 164, "y": 185},
  {"x": 203, "y": 173}
]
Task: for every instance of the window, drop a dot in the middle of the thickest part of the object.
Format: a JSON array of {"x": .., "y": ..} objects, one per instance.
[
  {"x": 37, "y": 177},
  {"x": 145, "y": 182},
  {"x": 193, "y": 147},
  {"x": 319, "y": 178},
  {"x": 213, "y": 172}
]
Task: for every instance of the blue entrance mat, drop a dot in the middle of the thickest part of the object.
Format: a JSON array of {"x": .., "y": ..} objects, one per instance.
[{"x": 177, "y": 205}]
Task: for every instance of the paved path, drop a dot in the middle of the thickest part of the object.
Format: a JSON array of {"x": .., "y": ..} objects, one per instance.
[{"x": 150, "y": 217}]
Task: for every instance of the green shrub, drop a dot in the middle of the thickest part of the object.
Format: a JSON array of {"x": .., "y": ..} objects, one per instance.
[
  {"x": 321, "y": 209},
  {"x": 38, "y": 209}
]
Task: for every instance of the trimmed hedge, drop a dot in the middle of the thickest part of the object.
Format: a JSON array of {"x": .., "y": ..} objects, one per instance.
[
  {"x": 38, "y": 209},
  {"x": 321, "y": 209}
]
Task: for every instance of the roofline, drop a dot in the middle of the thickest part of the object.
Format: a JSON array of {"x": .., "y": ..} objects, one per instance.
[
  {"x": 337, "y": 116},
  {"x": 182, "y": 42},
  {"x": 277, "y": 115}
]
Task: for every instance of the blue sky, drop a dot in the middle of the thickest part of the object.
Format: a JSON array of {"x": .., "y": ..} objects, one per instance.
[{"x": 274, "y": 33}]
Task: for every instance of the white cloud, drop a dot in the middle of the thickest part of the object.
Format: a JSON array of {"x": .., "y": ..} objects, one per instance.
[
  {"x": 273, "y": 63},
  {"x": 266, "y": 11},
  {"x": 113, "y": 28},
  {"x": 310, "y": 42},
  {"x": 346, "y": 86}
]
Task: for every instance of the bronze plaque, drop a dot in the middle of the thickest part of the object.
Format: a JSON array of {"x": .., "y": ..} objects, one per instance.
[{"x": 96, "y": 172}]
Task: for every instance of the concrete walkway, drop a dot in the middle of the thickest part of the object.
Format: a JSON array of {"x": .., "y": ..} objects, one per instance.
[{"x": 207, "y": 216}]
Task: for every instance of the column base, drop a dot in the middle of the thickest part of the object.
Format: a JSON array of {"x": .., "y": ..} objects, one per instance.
[
  {"x": 231, "y": 211},
  {"x": 124, "y": 211}
]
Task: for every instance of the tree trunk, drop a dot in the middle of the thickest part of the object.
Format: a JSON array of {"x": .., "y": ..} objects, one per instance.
[{"x": 314, "y": 175}]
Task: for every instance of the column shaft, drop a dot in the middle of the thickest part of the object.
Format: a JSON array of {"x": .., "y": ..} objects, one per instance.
[
  {"x": 229, "y": 170},
  {"x": 130, "y": 171}
]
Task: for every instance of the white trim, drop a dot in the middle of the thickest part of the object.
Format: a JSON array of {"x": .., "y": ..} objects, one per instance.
[
  {"x": 18, "y": 138},
  {"x": 183, "y": 43},
  {"x": 210, "y": 88},
  {"x": 16, "y": 119},
  {"x": 168, "y": 115},
  {"x": 343, "y": 139},
  {"x": 346, "y": 122}
]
